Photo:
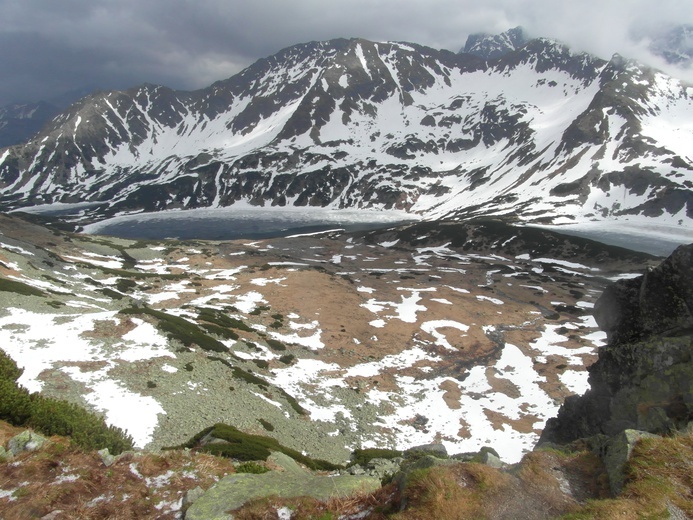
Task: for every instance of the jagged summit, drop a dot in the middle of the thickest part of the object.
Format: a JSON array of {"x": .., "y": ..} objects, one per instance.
[
  {"x": 542, "y": 132},
  {"x": 493, "y": 46}
]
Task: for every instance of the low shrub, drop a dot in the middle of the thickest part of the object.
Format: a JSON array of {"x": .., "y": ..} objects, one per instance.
[
  {"x": 54, "y": 417},
  {"x": 276, "y": 344},
  {"x": 252, "y": 467},
  {"x": 222, "y": 320},
  {"x": 247, "y": 447},
  {"x": 180, "y": 329},
  {"x": 363, "y": 457},
  {"x": 19, "y": 288},
  {"x": 266, "y": 425}
]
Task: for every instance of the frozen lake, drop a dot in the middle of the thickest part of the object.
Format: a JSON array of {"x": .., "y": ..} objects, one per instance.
[
  {"x": 638, "y": 235},
  {"x": 254, "y": 223}
]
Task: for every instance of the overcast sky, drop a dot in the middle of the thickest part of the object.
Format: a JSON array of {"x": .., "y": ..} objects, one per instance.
[{"x": 48, "y": 47}]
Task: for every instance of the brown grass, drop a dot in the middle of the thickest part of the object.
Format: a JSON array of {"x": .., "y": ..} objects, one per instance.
[
  {"x": 61, "y": 478},
  {"x": 659, "y": 473}
]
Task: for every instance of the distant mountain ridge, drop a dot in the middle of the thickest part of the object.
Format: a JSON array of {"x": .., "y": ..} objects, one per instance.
[
  {"x": 19, "y": 122},
  {"x": 541, "y": 132}
]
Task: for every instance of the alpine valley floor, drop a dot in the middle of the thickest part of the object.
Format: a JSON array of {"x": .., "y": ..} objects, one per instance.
[{"x": 469, "y": 334}]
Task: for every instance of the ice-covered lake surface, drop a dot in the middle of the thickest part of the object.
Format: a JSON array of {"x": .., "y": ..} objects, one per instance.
[
  {"x": 637, "y": 235},
  {"x": 248, "y": 222},
  {"x": 656, "y": 237}
]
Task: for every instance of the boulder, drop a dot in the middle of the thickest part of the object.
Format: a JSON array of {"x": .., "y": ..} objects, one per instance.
[
  {"x": 191, "y": 496},
  {"x": 617, "y": 452},
  {"x": 291, "y": 480},
  {"x": 106, "y": 457},
  {"x": 383, "y": 468},
  {"x": 437, "y": 450},
  {"x": 25, "y": 441}
]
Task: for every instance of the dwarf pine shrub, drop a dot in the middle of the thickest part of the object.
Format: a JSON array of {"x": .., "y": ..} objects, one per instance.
[{"x": 55, "y": 417}]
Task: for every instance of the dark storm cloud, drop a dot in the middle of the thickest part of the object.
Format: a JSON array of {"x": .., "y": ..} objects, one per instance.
[{"x": 48, "y": 46}]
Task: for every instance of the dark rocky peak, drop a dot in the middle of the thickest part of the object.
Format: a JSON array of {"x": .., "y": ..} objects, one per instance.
[
  {"x": 658, "y": 303},
  {"x": 494, "y": 46},
  {"x": 544, "y": 54}
]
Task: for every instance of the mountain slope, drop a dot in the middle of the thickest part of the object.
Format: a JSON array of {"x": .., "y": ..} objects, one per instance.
[{"x": 541, "y": 132}]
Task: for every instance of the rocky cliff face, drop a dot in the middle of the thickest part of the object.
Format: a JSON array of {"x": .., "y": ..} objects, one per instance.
[{"x": 644, "y": 378}]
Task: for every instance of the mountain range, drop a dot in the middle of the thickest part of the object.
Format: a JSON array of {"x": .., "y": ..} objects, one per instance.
[{"x": 535, "y": 130}]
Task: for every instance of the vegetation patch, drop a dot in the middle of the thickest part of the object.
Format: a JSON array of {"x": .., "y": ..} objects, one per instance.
[
  {"x": 115, "y": 295},
  {"x": 248, "y": 447},
  {"x": 287, "y": 359},
  {"x": 276, "y": 344},
  {"x": 222, "y": 320},
  {"x": 266, "y": 425},
  {"x": 363, "y": 457},
  {"x": 180, "y": 329},
  {"x": 19, "y": 288},
  {"x": 125, "y": 284},
  {"x": 252, "y": 379},
  {"x": 54, "y": 417},
  {"x": 252, "y": 467}
]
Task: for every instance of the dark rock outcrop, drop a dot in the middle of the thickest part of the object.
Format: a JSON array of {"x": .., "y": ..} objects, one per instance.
[{"x": 643, "y": 379}]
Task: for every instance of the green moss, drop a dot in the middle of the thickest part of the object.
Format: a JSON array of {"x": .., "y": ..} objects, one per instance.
[{"x": 19, "y": 288}]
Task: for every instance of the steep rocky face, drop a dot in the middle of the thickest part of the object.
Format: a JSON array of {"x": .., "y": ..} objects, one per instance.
[
  {"x": 541, "y": 132},
  {"x": 643, "y": 379},
  {"x": 493, "y": 46}
]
